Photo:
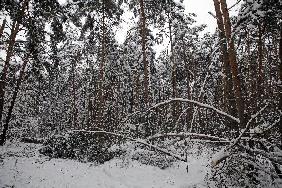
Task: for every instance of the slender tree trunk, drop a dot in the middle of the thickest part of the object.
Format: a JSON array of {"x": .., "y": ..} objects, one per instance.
[
  {"x": 251, "y": 84},
  {"x": 175, "y": 106},
  {"x": 74, "y": 109},
  {"x": 173, "y": 76},
  {"x": 9, "y": 52},
  {"x": 233, "y": 63},
  {"x": 189, "y": 77},
  {"x": 280, "y": 77},
  {"x": 100, "y": 104},
  {"x": 11, "y": 107},
  {"x": 137, "y": 100},
  {"x": 90, "y": 112},
  {"x": 136, "y": 94},
  {"x": 145, "y": 63},
  {"x": 2, "y": 28},
  {"x": 6, "y": 66},
  {"x": 260, "y": 59}
]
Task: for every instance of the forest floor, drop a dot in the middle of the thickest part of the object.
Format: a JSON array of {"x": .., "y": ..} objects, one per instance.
[{"x": 22, "y": 166}]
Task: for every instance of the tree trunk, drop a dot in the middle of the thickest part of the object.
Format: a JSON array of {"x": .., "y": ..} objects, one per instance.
[
  {"x": 233, "y": 63},
  {"x": 260, "y": 59},
  {"x": 11, "y": 107},
  {"x": 100, "y": 104},
  {"x": 175, "y": 106},
  {"x": 2, "y": 28},
  {"x": 280, "y": 77},
  {"x": 228, "y": 93},
  {"x": 136, "y": 94},
  {"x": 6, "y": 66},
  {"x": 251, "y": 72},
  {"x": 74, "y": 109},
  {"x": 9, "y": 52},
  {"x": 145, "y": 63}
]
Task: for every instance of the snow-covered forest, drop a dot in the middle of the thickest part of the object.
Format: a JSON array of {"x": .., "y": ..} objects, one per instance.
[{"x": 170, "y": 105}]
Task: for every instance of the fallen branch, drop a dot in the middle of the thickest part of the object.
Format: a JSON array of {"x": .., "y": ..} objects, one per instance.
[
  {"x": 219, "y": 157},
  {"x": 203, "y": 105},
  {"x": 224, "y": 153},
  {"x": 183, "y": 134},
  {"x": 235, "y": 141},
  {"x": 198, "y": 104},
  {"x": 134, "y": 140},
  {"x": 32, "y": 140}
]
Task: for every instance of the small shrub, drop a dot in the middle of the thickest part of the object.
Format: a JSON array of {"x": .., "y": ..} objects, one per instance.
[
  {"x": 153, "y": 158},
  {"x": 82, "y": 146}
]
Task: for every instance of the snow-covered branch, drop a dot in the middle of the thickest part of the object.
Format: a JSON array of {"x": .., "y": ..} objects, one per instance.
[
  {"x": 224, "y": 153},
  {"x": 235, "y": 141},
  {"x": 203, "y": 105},
  {"x": 199, "y": 104},
  {"x": 183, "y": 134},
  {"x": 135, "y": 140}
]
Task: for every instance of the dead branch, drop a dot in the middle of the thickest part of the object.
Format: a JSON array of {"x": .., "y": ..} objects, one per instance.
[
  {"x": 203, "y": 105},
  {"x": 183, "y": 134},
  {"x": 224, "y": 153},
  {"x": 135, "y": 140}
]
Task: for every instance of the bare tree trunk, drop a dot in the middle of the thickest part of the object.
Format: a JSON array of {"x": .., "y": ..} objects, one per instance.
[
  {"x": 250, "y": 81},
  {"x": 100, "y": 104},
  {"x": 260, "y": 59},
  {"x": 9, "y": 52},
  {"x": 173, "y": 76},
  {"x": 89, "y": 113},
  {"x": 233, "y": 63},
  {"x": 11, "y": 107},
  {"x": 228, "y": 93},
  {"x": 189, "y": 78},
  {"x": 74, "y": 109},
  {"x": 2, "y": 28},
  {"x": 145, "y": 63},
  {"x": 175, "y": 106},
  {"x": 136, "y": 93},
  {"x": 137, "y": 100},
  {"x": 6, "y": 66},
  {"x": 280, "y": 77}
]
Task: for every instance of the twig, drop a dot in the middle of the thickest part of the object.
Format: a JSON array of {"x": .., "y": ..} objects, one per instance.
[{"x": 234, "y": 4}]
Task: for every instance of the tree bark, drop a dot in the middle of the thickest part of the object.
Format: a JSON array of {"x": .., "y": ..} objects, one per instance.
[
  {"x": 228, "y": 93},
  {"x": 145, "y": 63},
  {"x": 9, "y": 52},
  {"x": 11, "y": 107},
  {"x": 100, "y": 104},
  {"x": 2, "y": 28},
  {"x": 175, "y": 106},
  {"x": 251, "y": 72},
  {"x": 260, "y": 59},
  {"x": 233, "y": 63},
  {"x": 173, "y": 76},
  {"x": 280, "y": 92},
  {"x": 74, "y": 109}
]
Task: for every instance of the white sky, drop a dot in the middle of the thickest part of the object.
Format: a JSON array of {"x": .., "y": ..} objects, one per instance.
[{"x": 202, "y": 7}]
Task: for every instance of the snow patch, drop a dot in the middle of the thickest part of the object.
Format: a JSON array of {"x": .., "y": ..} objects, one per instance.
[{"x": 20, "y": 170}]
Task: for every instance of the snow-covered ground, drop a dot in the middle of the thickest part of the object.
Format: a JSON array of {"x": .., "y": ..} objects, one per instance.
[{"x": 22, "y": 166}]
